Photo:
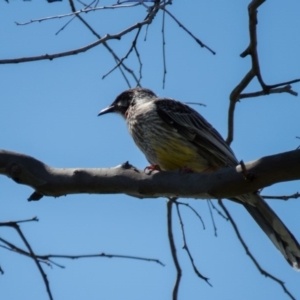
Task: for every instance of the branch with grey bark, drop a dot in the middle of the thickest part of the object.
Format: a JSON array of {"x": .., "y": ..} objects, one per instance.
[
  {"x": 126, "y": 179},
  {"x": 254, "y": 72}
]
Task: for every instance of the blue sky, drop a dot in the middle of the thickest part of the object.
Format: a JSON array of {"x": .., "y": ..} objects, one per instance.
[{"x": 49, "y": 111}]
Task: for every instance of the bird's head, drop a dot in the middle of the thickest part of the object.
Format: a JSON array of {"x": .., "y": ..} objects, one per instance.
[{"x": 128, "y": 98}]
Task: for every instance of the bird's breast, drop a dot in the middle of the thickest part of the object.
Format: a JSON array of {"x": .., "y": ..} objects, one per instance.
[{"x": 162, "y": 144}]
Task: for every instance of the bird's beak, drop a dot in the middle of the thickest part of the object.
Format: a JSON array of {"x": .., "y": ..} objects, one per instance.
[{"x": 107, "y": 110}]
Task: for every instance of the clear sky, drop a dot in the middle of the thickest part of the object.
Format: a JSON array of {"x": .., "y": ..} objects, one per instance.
[{"x": 49, "y": 111}]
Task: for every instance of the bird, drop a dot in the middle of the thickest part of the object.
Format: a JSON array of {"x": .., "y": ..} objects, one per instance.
[{"x": 173, "y": 136}]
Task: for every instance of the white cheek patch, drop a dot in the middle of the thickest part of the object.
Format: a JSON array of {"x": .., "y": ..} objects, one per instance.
[{"x": 123, "y": 103}]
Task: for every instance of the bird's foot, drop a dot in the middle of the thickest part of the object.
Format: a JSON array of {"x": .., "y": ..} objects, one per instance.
[{"x": 151, "y": 168}]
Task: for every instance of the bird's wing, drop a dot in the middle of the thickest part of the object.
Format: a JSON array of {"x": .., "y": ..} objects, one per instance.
[{"x": 195, "y": 128}]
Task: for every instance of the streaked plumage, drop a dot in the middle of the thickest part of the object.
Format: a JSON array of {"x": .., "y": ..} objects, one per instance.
[{"x": 173, "y": 136}]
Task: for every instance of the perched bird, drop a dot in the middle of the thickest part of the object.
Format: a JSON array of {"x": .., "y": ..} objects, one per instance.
[{"x": 173, "y": 136}]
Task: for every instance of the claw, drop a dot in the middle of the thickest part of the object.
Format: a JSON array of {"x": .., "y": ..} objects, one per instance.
[{"x": 152, "y": 168}]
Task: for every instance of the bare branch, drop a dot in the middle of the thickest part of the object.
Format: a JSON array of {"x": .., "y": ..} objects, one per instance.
[
  {"x": 202, "y": 45},
  {"x": 193, "y": 210},
  {"x": 234, "y": 97},
  {"x": 120, "y": 62},
  {"x": 77, "y": 13},
  {"x": 186, "y": 248},
  {"x": 252, "y": 10},
  {"x": 107, "y": 37},
  {"x": 224, "y": 183},
  {"x": 173, "y": 249},
  {"x": 285, "y": 89},
  {"x": 11, "y": 223},
  {"x": 37, "y": 262},
  {"x": 285, "y": 198},
  {"x": 164, "y": 48},
  {"x": 248, "y": 252},
  {"x": 110, "y": 50},
  {"x": 251, "y": 50},
  {"x": 217, "y": 210},
  {"x": 212, "y": 217},
  {"x": 46, "y": 258}
]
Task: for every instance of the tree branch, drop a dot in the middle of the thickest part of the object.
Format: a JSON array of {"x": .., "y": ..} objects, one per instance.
[
  {"x": 236, "y": 94},
  {"x": 173, "y": 249},
  {"x": 225, "y": 183},
  {"x": 248, "y": 252},
  {"x": 107, "y": 37}
]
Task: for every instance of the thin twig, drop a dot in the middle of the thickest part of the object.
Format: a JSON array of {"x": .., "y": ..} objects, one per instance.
[
  {"x": 186, "y": 248},
  {"x": 212, "y": 217},
  {"x": 173, "y": 249},
  {"x": 236, "y": 94},
  {"x": 8, "y": 223},
  {"x": 111, "y": 51},
  {"x": 78, "y": 12},
  {"x": 87, "y": 47},
  {"x": 164, "y": 48},
  {"x": 43, "y": 274},
  {"x": 217, "y": 210},
  {"x": 252, "y": 11},
  {"x": 234, "y": 97},
  {"x": 260, "y": 269},
  {"x": 47, "y": 257},
  {"x": 285, "y": 89},
  {"x": 202, "y": 45},
  {"x": 193, "y": 210},
  {"x": 196, "y": 103},
  {"x": 64, "y": 26},
  {"x": 285, "y": 198},
  {"x": 140, "y": 64},
  {"x": 121, "y": 61}
]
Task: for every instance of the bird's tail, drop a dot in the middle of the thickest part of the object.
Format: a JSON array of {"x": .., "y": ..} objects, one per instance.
[{"x": 274, "y": 228}]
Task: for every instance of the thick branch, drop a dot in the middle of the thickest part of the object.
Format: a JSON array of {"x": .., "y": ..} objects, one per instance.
[{"x": 225, "y": 183}]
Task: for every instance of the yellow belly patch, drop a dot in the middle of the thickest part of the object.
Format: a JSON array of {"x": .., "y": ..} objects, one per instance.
[{"x": 172, "y": 156}]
